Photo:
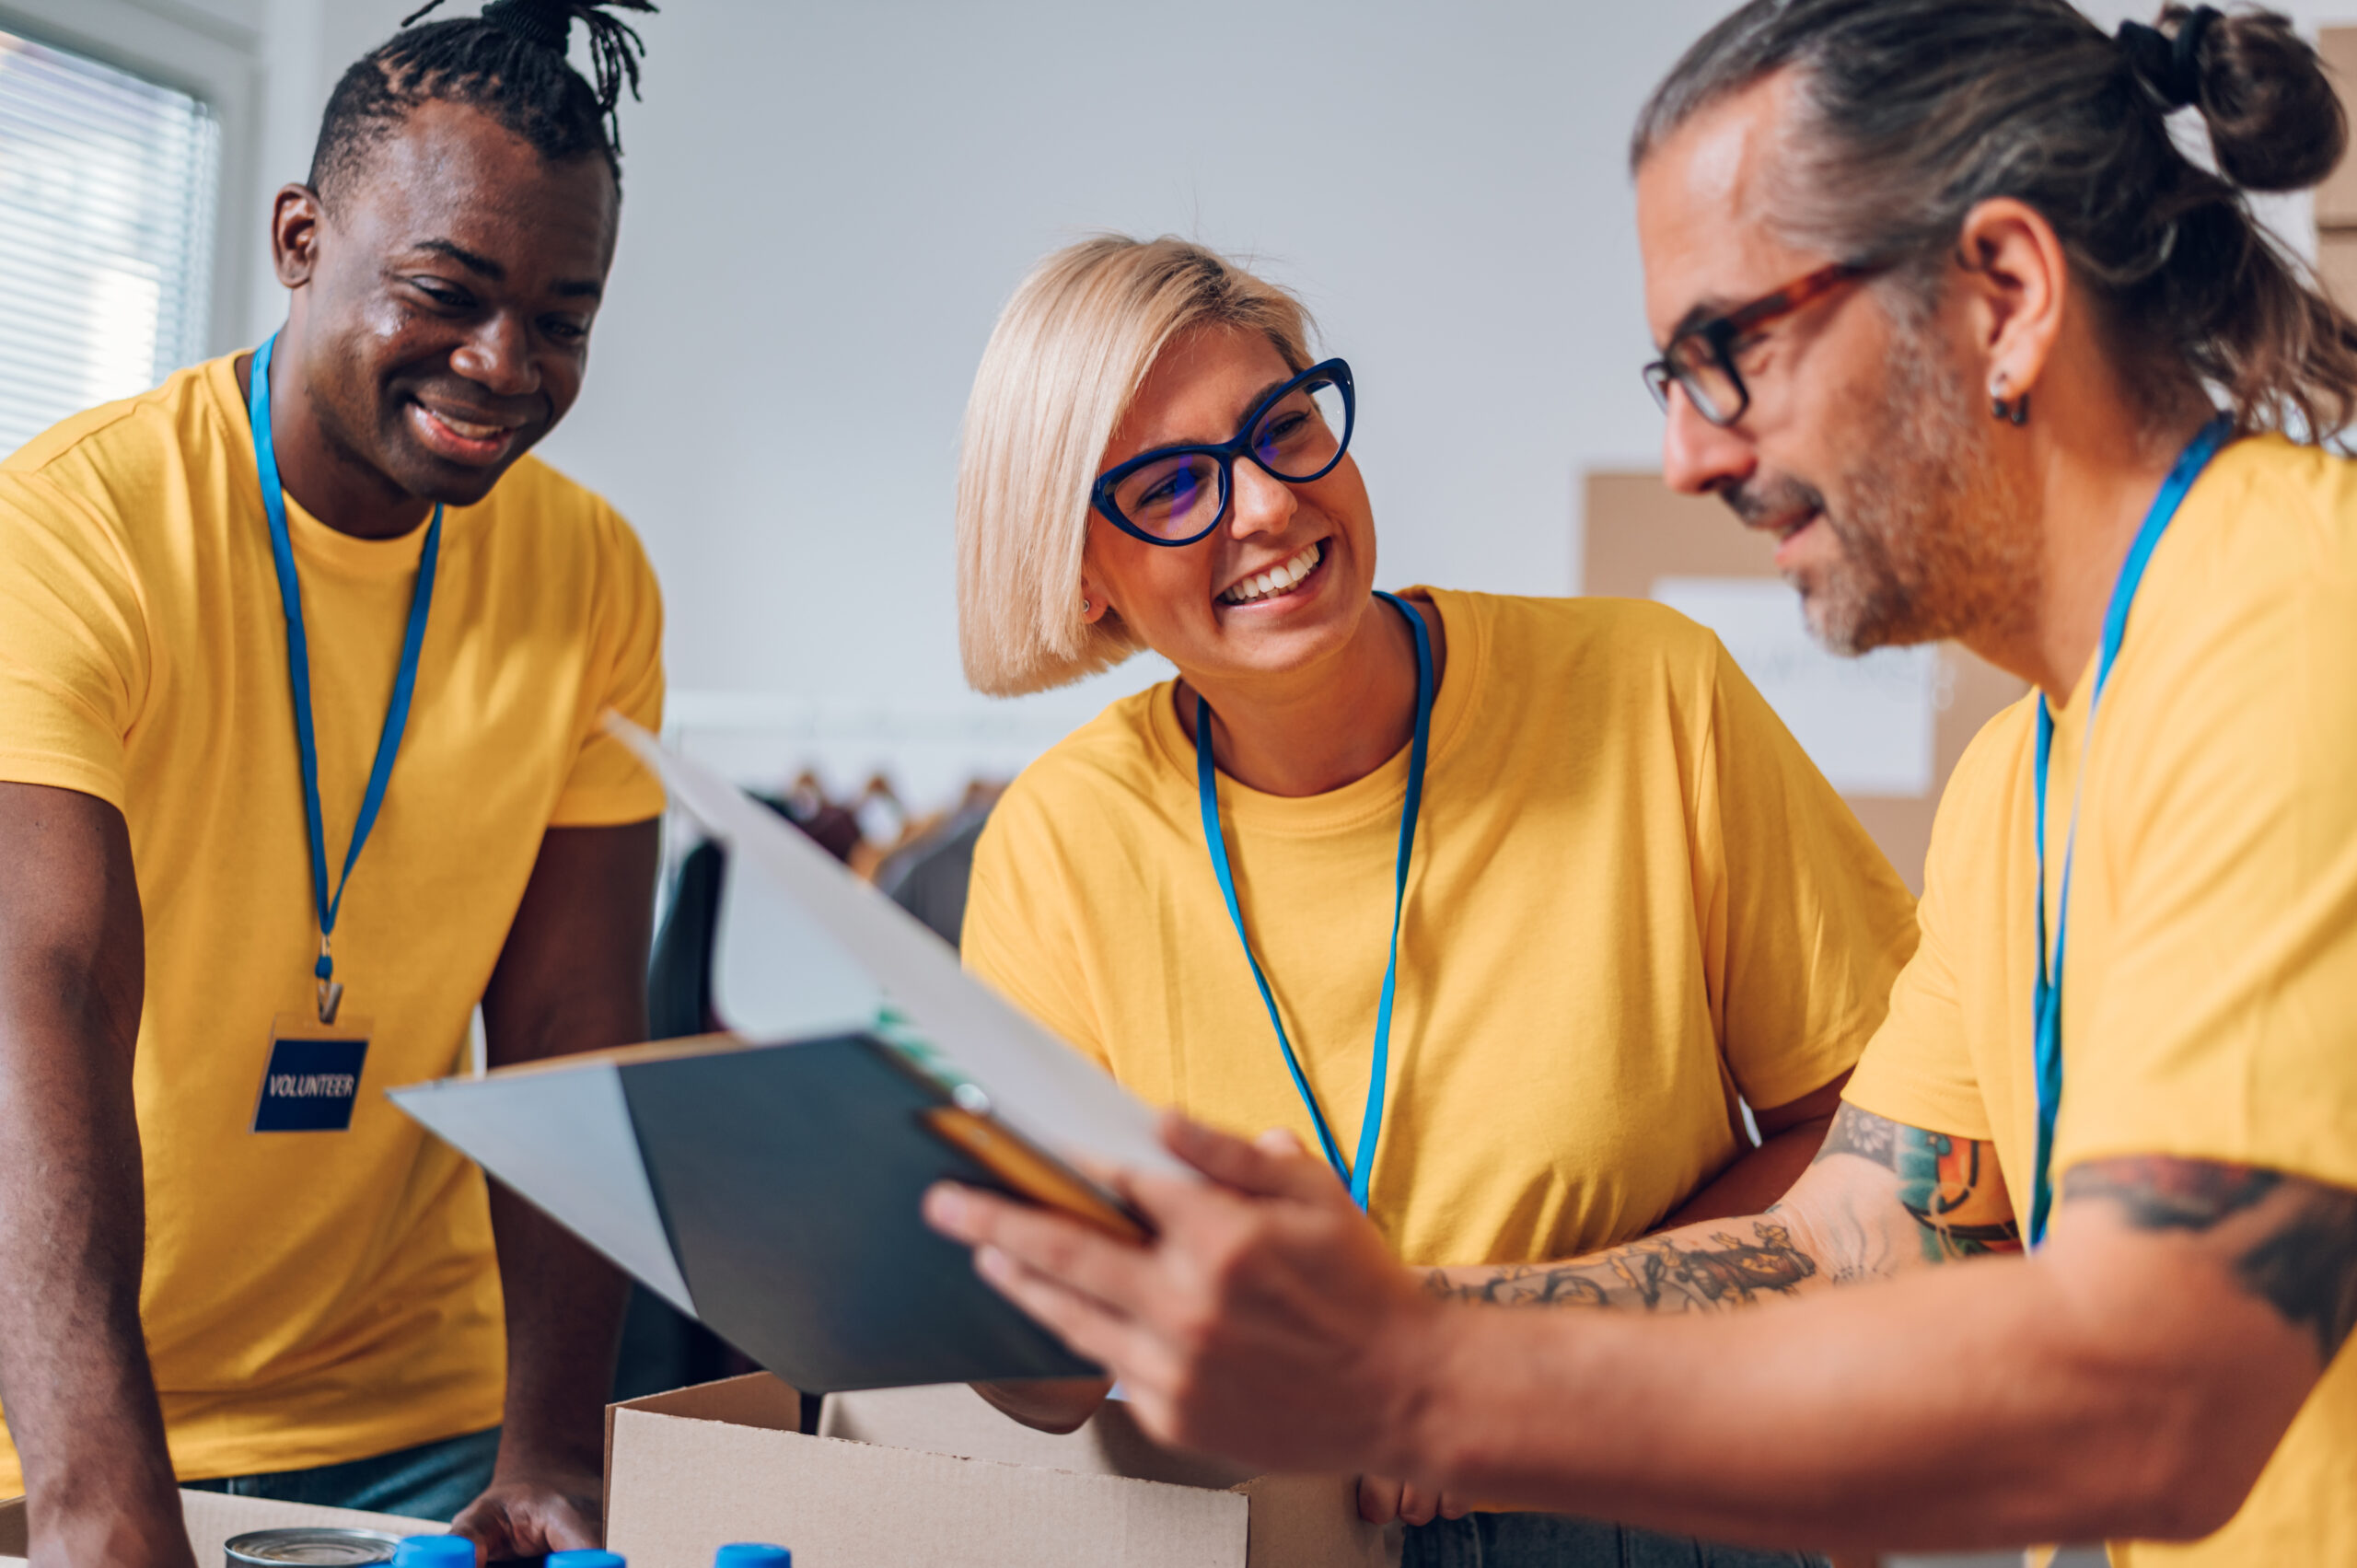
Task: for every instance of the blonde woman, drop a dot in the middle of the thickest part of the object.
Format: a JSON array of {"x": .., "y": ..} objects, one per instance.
[{"x": 1500, "y": 903}]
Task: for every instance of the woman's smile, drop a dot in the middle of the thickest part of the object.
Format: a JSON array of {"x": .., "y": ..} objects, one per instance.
[{"x": 1284, "y": 580}]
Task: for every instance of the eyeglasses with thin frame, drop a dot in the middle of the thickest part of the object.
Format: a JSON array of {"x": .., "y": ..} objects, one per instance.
[
  {"x": 1701, "y": 358},
  {"x": 1175, "y": 495}
]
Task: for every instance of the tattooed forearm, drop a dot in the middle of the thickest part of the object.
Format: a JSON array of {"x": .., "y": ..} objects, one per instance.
[
  {"x": 1659, "y": 1273},
  {"x": 1908, "y": 1197},
  {"x": 2158, "y": 1193},
  {"x": 1949, "y": 1186},
  {"x": 2294, "y": 1241},
  {"x": 2307, "y": 1270}
]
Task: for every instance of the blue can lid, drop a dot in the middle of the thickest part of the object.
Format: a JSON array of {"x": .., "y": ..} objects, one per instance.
[
  {"x": 583, "y": 1559},
  {"x": 434, "y": 1552},
  {"x": 750, "y": 1554}
]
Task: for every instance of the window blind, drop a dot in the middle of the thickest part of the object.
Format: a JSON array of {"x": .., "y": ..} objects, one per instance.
[{"x": 107, "y": 186}]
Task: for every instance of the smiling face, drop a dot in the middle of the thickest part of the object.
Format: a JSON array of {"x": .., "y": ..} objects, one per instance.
[
  {"x": 444, "y": 298},
  {"x": 1280, "y": 586},
  {"x": 1866, "y": 450}
]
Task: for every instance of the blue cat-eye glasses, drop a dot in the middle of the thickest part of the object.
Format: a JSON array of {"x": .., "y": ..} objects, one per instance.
[{"x": 1175, "y": 495}]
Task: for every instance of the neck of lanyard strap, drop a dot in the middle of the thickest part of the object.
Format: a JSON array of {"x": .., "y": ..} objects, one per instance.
[
  {"x": 1355, "y": 1173},
  {"x": 2048, "y": 999},
  {"x": 298, "y": 664}
]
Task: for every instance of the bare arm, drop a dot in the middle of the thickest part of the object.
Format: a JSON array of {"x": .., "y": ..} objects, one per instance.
[
  {"x": 1850, "y": 1216},
  {"x": 2130, "y": 1379},
  {"x": 74, "y": 1375},
  {"x": 1790, "y": 1136},
  {"x": 571, "y": 978},
  {"x": 1879, "y": 1199}
]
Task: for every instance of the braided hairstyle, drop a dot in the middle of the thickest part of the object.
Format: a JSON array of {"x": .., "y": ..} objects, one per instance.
[{"x": 509, "y": 63}]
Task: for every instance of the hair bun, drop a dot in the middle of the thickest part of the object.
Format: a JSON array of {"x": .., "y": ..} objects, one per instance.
[
  {"x": 2168, "y": 67},
  {"x": 2275, "y": 122}
]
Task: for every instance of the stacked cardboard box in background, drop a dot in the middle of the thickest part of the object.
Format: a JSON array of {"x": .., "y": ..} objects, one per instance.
[{"x": 2337, "y": 197}]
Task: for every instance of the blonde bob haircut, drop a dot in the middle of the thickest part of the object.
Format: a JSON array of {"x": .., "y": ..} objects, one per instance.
[{"x": 1066, "y": 358}]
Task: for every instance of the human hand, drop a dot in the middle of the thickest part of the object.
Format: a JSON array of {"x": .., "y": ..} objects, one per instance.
[
  {"x": 1057, "y": 1405},
  {"x": 529, "y": 1512},
  {"x": 1265, "y": 1320},
  {"x": 1382, "y": 1499}
]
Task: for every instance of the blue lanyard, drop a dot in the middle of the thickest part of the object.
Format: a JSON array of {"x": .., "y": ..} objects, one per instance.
[
  {"x": 298, "y": 664},
  {"x": 1358, "y": 1172},
  {"x": 2048, "y": 1001}
]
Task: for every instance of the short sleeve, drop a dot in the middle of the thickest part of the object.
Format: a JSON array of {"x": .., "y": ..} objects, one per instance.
[
  {"x": 2211, "y": 998},
  {"x": 1019, "y": 935},
  {"x": 73, "y": 643},
  {"x": 1918, "y": 1068},
  {"x": 1808, "y": 926},
  {"x": 608, "y": 784}
]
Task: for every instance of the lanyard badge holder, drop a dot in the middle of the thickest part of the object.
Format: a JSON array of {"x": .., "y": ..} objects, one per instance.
[
  {"x": 313, "y": 1079},
  {"x": 1356, "y": 1174},
  {"x": 2048, "y": 998}
]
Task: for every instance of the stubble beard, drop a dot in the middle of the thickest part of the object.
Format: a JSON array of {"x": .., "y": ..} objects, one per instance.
[{"x": 1933, "y": 542}]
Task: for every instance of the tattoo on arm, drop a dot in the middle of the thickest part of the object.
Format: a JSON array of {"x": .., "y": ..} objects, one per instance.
[
  {"x": 2297, "y": 1250},
  {"x": 1949, "y": 1185},
  {"x": 1658, "y": 1273},
  {"x": 2171, "y": 1194},
  {"x": 1941, "y": 1196},
  {"x": 1862, "y": 1134}
]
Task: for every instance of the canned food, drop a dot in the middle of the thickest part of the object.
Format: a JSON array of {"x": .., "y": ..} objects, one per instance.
[{"x": 310, "y": 1544}]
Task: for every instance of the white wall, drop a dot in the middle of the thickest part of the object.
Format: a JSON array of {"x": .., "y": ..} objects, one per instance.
[{"x": 826, "y": 204}]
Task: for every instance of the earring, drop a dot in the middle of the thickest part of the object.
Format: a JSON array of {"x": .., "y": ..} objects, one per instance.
[
  {"x": 2016, "y": 413},
  {"x": 1084, "y": 606}
]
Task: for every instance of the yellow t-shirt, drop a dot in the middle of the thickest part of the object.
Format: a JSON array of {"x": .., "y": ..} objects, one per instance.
[
  {"x": 2210, "y": 1005},
  {"x": 1632, "y": 897},
  {"x": 323, "y": 1297}
]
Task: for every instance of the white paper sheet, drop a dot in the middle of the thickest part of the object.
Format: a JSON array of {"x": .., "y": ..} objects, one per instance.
[
  {"x": 777, "y": 973},
  {"x": 565, "y": 1140},
  {"x": 1036, "y": 1084},
  {"x": 1866, "y": 723}
]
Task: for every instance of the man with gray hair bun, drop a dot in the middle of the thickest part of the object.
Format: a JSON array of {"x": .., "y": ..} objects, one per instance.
[{"x": 1943, "y": 306}]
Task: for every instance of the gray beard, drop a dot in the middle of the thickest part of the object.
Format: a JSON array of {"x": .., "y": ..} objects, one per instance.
[{"x": 1931, "y": 543}]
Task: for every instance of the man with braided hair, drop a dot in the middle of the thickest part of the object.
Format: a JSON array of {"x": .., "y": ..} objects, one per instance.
[{"x": 303, "y": 623}]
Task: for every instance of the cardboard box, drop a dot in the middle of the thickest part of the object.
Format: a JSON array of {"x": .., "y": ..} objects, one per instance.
[
  {"x": 926, "y": 1477},
  {"x": 1639, "y": 532},
  {"x": 2337, "y": 197},
  {"x": 2337, "y": 265},
  {"x": 213, "y": 1518}
]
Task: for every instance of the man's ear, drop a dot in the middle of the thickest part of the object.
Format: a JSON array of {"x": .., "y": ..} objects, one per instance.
[
  {"x": 295, "y": 220},
  {"x": 2015, "y": 277}
]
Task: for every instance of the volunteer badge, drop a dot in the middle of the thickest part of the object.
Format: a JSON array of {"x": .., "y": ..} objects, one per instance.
[{"x": 314, "y": 1075}]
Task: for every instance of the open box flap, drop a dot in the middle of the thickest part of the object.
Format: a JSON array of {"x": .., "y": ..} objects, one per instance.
[
  {"x": 938, "y": 1477},
  {"x": 680, "y": 1488}
]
